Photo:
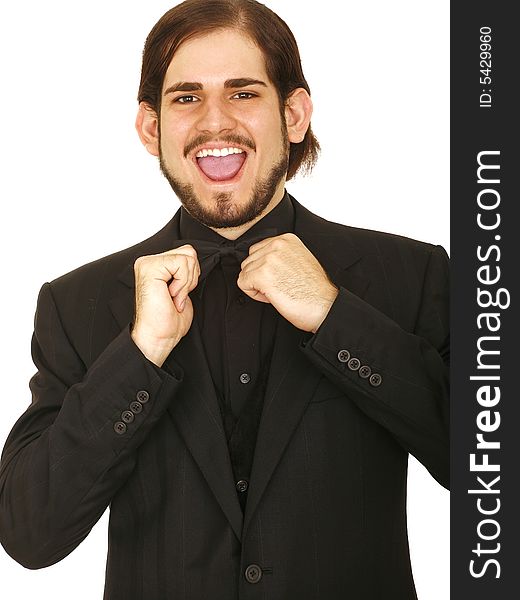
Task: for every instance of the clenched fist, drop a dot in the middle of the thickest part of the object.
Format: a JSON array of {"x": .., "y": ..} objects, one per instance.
[
  {"x": 163, "y": 309},
  {"x": 282, "y": 271}
]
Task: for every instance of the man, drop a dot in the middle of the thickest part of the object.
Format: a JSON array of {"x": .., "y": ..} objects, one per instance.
[{"x": 249, "y": 421}]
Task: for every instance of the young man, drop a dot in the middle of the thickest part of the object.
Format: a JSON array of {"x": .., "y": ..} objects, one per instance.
[{"x": 244, "y": 387}]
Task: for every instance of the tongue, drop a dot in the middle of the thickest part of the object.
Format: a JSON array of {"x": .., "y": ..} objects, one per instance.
[{"x": 220, "y": 168}]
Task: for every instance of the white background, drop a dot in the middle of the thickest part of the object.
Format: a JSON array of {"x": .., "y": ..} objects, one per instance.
[{"x": 76, "y": 184}]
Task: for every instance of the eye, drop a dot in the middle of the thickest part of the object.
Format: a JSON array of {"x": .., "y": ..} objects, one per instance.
[
  {"x": 188, "y": 99},
  {"x": 244, "y": 95}
]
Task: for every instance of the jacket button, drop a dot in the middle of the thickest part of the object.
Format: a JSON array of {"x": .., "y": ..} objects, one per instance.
[
  {"x": 354, "y": 364},
  {"x": 245, "y": 378},
  {"x": 242, "y": 485},
  {"x": 375, "y": 380},
  {"x": 253, "y": 574},
  {"x": 343, "y": 356},
  {"x": 136, "y": 407},
  {"x": 364, "y": 372},
  {"x": 120, "y": 427},
  {"x": 127, "y": 416},
  {"x": 143, "y": 396}
]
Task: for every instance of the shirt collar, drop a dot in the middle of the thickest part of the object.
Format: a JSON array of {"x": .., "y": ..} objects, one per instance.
[{"x": 279, "y": 220}]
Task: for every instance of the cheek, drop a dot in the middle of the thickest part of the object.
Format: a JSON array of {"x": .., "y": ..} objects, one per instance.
[
  {"x": 172, "y": 148},
  {"x": 174, "y": 133}
]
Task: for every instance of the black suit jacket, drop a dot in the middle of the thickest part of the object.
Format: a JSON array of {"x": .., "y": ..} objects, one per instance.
[{"x": 326, "y": 510}]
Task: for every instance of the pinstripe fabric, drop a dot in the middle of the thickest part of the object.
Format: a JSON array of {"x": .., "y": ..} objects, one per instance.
[{"x": 326, "y": 511}]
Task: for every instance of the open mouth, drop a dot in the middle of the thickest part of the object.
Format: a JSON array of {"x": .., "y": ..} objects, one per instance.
[{"x": 221, "y": 164}]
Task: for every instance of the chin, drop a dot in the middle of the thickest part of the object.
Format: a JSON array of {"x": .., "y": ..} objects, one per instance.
[
  {"x": 224, "y": 213},
  {"x": 220, "y": 208}
]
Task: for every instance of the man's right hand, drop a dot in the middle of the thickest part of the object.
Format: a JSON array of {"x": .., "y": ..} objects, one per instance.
[{"x": 163, "y": 309}]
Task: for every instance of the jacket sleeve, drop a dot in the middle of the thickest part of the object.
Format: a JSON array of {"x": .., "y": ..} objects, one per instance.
[
  {"x": 398, "y": 378},
  {"x": 75, "y": 445}
]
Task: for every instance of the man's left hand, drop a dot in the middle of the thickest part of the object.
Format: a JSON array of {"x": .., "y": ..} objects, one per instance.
[{"x": 282, "y": 271}]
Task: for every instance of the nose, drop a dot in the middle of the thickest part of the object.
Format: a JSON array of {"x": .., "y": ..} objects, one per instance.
[{"x": 216, "y": 117}]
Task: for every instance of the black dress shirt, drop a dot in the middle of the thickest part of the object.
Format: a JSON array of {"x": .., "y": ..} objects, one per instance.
[{"x": 238, "y": 335}]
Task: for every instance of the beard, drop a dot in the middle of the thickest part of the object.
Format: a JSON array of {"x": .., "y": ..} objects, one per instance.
[{"x": 226, "y": 212}]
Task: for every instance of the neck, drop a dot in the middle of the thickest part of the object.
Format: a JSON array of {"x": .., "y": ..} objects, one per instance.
[{"x": 233, "y": 233}]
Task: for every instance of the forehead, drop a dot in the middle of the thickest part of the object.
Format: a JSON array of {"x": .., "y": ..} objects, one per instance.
[{"x": 216, "y": 57}]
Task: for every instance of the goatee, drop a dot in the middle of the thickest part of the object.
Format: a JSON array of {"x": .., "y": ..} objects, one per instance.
[{"x": 226, "y": 213}]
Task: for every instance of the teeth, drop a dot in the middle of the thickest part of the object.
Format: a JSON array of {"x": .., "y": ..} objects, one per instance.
[{"x": 218, "y": 152}]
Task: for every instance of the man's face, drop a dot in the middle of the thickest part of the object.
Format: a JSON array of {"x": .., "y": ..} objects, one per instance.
[{"x": 217, "y": 100}]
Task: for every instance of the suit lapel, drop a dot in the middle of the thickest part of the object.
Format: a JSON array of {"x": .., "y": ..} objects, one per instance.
[
  {"x": 290, "y": 386},
  {"x": 196, "y": 414},
  {"x": 195, "y": 410},
  {"x": 292, "y": 380}
]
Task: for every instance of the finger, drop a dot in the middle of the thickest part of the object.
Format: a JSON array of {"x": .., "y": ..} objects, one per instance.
[
  {"x": 180, "y": 292},
  {"x": 195, "y": 274},
  {"x": 256, "y": 295},
  {"x": 189, "y": 276},
  {"x": 193, "y": 277},
  {"x": 187, "y": 250},
  {"x": 247, "y": 284},
  {"x": 262, "y": 244},
  {"x": 284, "y": 237},
  {"x": 181, "y": 268},
  {"x": 258, "y": 255},
  {"x": 280, "y": 243},
  {"x": 161, "y": 267}
]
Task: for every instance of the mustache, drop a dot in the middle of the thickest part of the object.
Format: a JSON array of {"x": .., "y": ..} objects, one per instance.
[{"x": 231, "y": 139}]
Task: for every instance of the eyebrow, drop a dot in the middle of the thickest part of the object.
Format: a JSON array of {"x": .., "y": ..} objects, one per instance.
[{"x": 191, "y": 86}]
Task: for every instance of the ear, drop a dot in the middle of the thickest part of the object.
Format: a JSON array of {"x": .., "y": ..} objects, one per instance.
[
  {"x": 147, "y": 125},
  {"x": 298, "y": 112}
]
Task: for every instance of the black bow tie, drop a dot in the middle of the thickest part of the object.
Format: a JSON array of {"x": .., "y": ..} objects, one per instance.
[{"x": 210, "y": 253}]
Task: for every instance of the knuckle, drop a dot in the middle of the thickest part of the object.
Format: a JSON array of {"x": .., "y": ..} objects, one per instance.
[
  {"x": 139, "y": 263},
  {"x": 289, "y": 238},
  {"x": 278, "y": 243},
  {"x": 189, "y": 249}
]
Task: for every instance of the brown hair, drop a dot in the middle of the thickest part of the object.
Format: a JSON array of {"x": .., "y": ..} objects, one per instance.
[{"x": 194, "y": 18}]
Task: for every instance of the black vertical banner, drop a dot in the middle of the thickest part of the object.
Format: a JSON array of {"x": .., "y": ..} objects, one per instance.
[{"x": 485, "y": 173}]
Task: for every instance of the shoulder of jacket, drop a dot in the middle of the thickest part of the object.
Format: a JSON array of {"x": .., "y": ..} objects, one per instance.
[
  {"x": 105, "y": 270},
  {"x": 368, "y": 240}
]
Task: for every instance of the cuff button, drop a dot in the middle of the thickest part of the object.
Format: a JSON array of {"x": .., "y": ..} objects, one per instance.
[
  {"x": 375, "y": 380},
  {"x": 365, "y": 372},
  {"x": 127, "y": 416},
  {"x": 136, "y": 407},
  {"x": 143, "y": 396},
  {"x": 120, "y": 427},
  {"x": 354, "y": 364},
  {"x": 343, "y": 356}
]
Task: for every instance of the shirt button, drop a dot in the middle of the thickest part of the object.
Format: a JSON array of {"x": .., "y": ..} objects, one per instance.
[
  {"x": 375, "y": 380},
  {"x": 136, "y": 407},
  {"x": 253, "y": 574},
  {"x": 343, "y": 356},
  {"x": 143, "y": 396},
  {"x": 245, "y": 378},
  {"x": 242, "y": 485},
  {"x": 354, "y": 364},
  {"x": 241, "y": 300},
  {"x": 127, "y": 416},
  {"x": 364, "y": 372},
  {"x": 120, "y": 427}
]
